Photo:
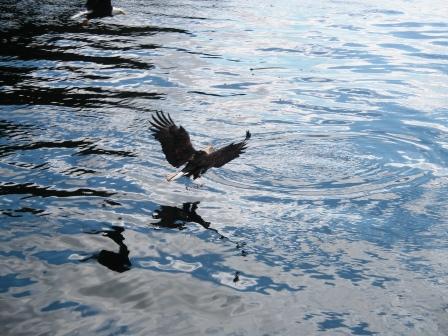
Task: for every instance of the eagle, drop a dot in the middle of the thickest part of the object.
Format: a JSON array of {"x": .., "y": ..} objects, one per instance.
[
  {"x": 179, "y": 151},
  {"x": 98, "y": 9}
]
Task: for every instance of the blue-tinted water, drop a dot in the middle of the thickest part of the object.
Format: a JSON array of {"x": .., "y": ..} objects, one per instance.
[{"x": 334, "y": 222}]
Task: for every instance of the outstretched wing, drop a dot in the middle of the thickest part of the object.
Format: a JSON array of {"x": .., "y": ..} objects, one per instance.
[
  {"x": 175, "y": 141},
  {"x": 226, "y": 154}
]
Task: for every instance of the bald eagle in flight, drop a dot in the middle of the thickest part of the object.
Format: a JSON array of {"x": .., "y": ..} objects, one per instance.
[
  {"x": 99, "y": 9},
  {"x": 179, "y": 151}
]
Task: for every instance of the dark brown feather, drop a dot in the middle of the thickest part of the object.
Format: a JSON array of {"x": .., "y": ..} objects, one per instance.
[
  {"x": 226, "y": 154},
  {"x": 175, "y": 141},
  {"x": 99, "y": 8}
]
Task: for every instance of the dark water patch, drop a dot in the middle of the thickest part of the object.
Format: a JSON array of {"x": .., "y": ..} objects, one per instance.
[
  {"x": 15, "y": 130},
  {"x": 382, "y": 281},
  {"x": 399, "y": 46},
  {"x": 188, "y": 51},
  {"x": 411, "y": 24},
  {"x": 335, "y": 320},
  {"x": 97, "y": 28},
  {"x": 15, "y": 254},
  {"x": 352, "y": 274},
  {"x": 71, "y": 97},
  {"x": 10, "y": 75},
  {"x": 45, "y": 144},
  {"x": 23, "y": 211},
  {"x": 316, "y": 108},
  {"x": 57, "y": 257},
  {"x": 22, "y": 294},
  {"x": 34, "y": 190},
  {"x": 83, "y": 147},
  {"x": 12, "y": 280},
  {"x": 261, "y": 68},
  {"x": 179, "y": 16},
  {"x": 143, "y": 31},
  {"x": 440, "y": 43},
  {"x": 372, "y": 69},
  {"x": 29, "y": 166},
  {"x": 280, "y": 50},
  {"x": 431, "y": 56},
  {"x": 79, "y": 171},
  {"x": 362, "y": 329},
  {"x": 216, "y": 94},
  {"x": 95, "y": 150},
  {"x": 314, "y": 80},
  {"x": 332, "y": 322},
  {"x": 84, "y": 310},
  {"x": 417, "y": 35},
  {"x": 56, "y": 305},
  {"x": 235, "y": 86},
  {"x": 385, "y": 11},
  {"x": 346, "y": 27},
  {"x": 23, "y": 51}
]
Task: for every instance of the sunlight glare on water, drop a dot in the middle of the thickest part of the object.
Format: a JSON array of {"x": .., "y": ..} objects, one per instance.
[{"x": 334, "y": 221}]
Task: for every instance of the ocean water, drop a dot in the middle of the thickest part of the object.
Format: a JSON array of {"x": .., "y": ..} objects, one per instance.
[{"x": 334, "y": 221}]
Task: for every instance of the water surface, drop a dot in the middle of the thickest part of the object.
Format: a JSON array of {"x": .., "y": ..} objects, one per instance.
[{"x": 334, "y": 222}]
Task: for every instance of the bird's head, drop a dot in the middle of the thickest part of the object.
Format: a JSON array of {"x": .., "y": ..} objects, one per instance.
[{"x": 209, "y": 149}]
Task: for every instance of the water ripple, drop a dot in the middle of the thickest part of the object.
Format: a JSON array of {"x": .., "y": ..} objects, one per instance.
[{"x": 331, "y": 166}]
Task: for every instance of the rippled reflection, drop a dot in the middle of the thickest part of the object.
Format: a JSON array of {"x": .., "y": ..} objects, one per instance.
[
  {"x": 173, "y": 217},
  {"x": 177, "y": 218}
]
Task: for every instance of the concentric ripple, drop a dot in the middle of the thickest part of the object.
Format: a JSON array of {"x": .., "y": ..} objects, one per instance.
[{"x": 331, "y": 166}]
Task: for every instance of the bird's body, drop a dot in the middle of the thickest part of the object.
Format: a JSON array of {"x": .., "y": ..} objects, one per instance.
[
  {"x": 99, "y": 9},
  {"x": 179, "y": 151}
]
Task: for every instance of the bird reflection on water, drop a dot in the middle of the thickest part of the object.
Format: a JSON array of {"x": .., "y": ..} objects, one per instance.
[
  {"x": 118, "y": 262},
  {"x": 169, "y": 217},
  {"x": 177, "y": 218}
]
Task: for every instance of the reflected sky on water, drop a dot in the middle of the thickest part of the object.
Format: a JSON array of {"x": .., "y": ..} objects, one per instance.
[{"x": 332, "y": 223}]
